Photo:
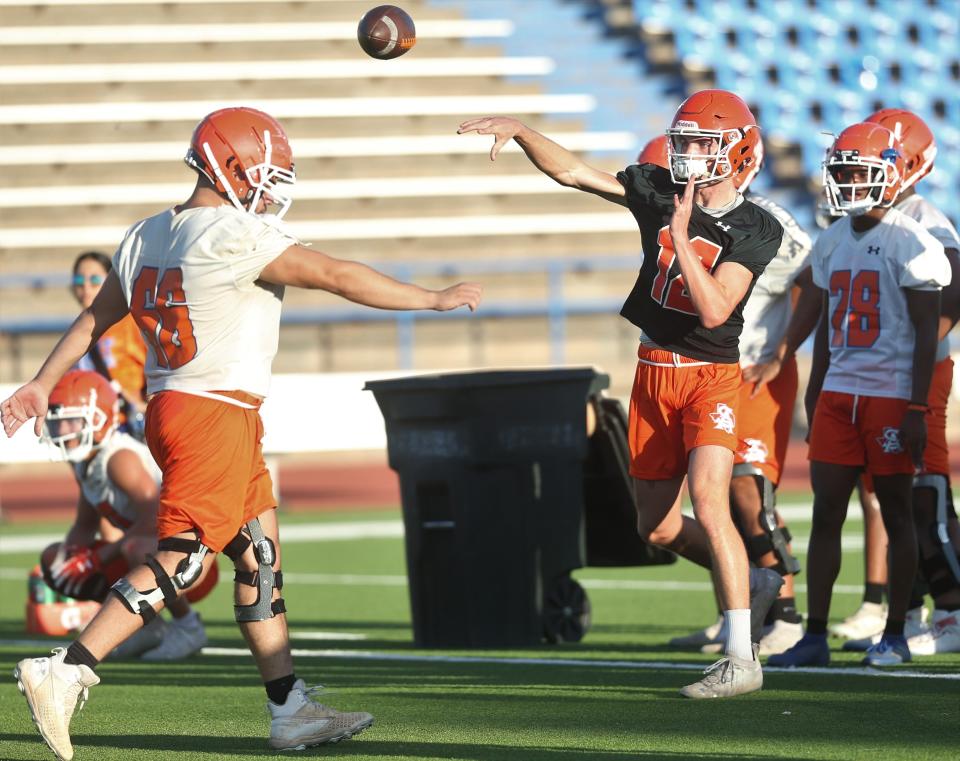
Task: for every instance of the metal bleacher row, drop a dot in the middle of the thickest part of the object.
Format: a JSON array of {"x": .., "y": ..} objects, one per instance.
[
  {"x": 810, "y": 67},
  {"x": 98, "y": 99}
]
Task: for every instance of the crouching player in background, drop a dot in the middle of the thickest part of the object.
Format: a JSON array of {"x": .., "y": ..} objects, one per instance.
[
  {"x": 881, "y": 274},
  {"x": 120, "y": 484}
]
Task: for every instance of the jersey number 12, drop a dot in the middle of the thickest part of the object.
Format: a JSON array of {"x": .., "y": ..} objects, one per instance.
[{"x": 670, "y": 292}]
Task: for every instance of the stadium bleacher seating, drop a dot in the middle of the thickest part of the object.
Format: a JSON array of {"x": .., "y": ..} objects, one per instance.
[
  {"x": 808, "y": 66},
  {"x": 97, "y": 108}
]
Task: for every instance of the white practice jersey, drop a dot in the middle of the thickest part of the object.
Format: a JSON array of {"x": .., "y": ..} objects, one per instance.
[
  {"x": 870, "y": 334},
  {"x": 767, "y": 313},
  {"x": 100, "y": 491},
  {"x": 940, "y": 227},
  {"x": 191, "y": 280}
]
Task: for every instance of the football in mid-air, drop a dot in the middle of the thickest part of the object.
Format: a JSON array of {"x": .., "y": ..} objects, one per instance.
[{"x": 386, "y": 32}]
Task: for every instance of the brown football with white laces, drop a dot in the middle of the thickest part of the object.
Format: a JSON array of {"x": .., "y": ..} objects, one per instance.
[{"x": 386, "y": 32}]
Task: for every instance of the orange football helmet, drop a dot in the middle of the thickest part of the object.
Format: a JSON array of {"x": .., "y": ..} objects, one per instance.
[
  {"x": 655, "y": 152},
  {"x": 83, "y": 407},
  {"x": 725, "y": 118},
  {"x": 868, "y": 146},
  {"x": 919, "y": 144},
  {"x": 245, "y": 154}
]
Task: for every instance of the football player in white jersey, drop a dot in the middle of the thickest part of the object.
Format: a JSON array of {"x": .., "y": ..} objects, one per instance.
[
  {"x": 205, "y": 280},
  {"x": 933, "y": 503},
  {"x": 881, "y": 274},
  {"x": 120, "y": 484}
]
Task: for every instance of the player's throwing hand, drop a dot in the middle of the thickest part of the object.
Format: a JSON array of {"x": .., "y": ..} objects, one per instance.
[
  {"x": 461, "y": 294},
  {"x": 503, "y": 128},
  {"x": 28, "y": 401}
]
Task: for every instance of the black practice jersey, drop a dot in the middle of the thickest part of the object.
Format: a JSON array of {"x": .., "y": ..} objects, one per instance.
[{"x": 659, "y": 303}]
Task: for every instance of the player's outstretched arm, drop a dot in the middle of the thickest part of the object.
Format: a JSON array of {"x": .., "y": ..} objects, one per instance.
[
  {"x": 306, "y": 268},
  {"x": 30, "y": 400},
  {"x": 549, "y": 157}
]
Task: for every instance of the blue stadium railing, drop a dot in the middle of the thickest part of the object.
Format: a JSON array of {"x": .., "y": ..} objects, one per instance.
[{"x": 556, "y": 307}]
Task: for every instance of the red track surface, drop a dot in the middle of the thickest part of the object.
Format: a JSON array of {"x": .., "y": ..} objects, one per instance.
[{"x": 49, "y": 493}]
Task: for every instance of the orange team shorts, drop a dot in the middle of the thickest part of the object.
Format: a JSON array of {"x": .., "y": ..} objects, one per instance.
[
  {"x": 862, "y": 431},
  {"x": 214, "y": 477},
  {"x": 678, "y": 404},
  {"x": 936, "y": 457},
  {"x": 763, "y": 423}
]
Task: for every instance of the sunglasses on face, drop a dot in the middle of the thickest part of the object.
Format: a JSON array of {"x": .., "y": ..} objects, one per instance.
[{"x": 79, "y": 280}]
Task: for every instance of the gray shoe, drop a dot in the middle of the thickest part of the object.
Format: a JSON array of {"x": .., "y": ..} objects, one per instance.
[
  {"x": 727, "y": 677},
  {"x": 765, "y": 585},
  {"x": 145, "y": 638},
  {"x": 698, "y": 639}
]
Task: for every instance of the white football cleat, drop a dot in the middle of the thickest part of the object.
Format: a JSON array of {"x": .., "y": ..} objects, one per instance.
[
  {"x": 780, "y": 637},
  {"x": 868, "y": 620},
  {"x": 727, "y": 677},
  {"x": 301, "y": 722},
  {"x": 942, "y": 637},
  {"x": 52, "y": 689},
  {"x": 706, "y": 636}
]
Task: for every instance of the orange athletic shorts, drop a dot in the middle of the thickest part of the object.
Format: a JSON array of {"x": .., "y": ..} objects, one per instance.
[
  {"x": 763, "y": 423},
  {"x": 214, "y": 476},
  {"x": 678, "y": 404},
  {"x": 860, "y": 431}
]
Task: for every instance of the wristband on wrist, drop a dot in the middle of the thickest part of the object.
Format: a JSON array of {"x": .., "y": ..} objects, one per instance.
[{"x": 917, "y": 407}]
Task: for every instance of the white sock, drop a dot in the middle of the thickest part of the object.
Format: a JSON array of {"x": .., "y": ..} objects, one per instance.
[{"x": 738, "y": 633}]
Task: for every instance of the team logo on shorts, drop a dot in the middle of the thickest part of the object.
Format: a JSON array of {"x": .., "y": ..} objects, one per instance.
[
  {"x": 755, "y": 451},
  {"x": 723, "y": 419},
  {"x": 890, "y": 441}
]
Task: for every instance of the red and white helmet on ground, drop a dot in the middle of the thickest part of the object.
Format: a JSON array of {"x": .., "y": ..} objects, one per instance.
[
  {"x": 83, "y": 411},
  {"x": 726, "y": 119},
  {"x": 873, "y": 148},
  {"x": 245, "y": 154},
  {"x": 655, "y": 152},
  {"x": 919, "y": 145}
]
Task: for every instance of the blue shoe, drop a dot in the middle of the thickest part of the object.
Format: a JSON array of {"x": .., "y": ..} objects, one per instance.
[
  {"x": 889, "y": 651},
  {"x": 811, "y": 650}
]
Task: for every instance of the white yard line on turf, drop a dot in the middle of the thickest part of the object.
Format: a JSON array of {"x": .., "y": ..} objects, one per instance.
[
  {"x": 571, "y": 662},
  {"x": 368, "y": 655},
  {"x": 382, "y": 580}
]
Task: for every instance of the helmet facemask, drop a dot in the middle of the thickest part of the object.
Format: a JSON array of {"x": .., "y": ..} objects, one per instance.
[
  {"x": 88, "y": 421},
  {"x": 708, "y": 168},
  {"x": 856, "y": 198}
]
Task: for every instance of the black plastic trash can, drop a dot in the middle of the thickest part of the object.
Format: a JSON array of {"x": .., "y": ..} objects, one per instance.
[{"x": 491, "y": 468}]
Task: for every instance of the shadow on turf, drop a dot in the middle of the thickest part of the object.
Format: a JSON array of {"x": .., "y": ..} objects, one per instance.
[{"x": 235, "y": 747}]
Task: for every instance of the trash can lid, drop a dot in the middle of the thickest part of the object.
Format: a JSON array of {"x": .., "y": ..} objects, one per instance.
[{"x": 489, "y": 378}]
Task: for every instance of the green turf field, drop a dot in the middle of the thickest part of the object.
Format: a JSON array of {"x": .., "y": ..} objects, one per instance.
[{"x": 350, "y": 621}]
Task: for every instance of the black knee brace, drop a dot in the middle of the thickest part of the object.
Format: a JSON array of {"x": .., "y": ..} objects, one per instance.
[{"x": 775, "y": 539}]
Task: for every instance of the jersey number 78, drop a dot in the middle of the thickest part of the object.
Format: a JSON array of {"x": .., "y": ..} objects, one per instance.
[{"x": 856, "y": 318}]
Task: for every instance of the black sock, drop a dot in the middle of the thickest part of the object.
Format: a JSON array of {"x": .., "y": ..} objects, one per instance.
[
  {"x": 873, "y": 592},
  {"x": 816, "y": 626},
  {"x": 78, "y": 655},
  {"x": 893, "y": 628},
  {"x": 785, "y": 609},
  {"x": 278, "y": 689}
]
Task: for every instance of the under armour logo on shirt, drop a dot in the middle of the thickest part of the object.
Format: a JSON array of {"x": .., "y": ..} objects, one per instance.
[
  {"x": 722, "y": 226},
  {"x": 873, "y": 250},
  {"x": 723, "y": 419},
  {"x": 890, "y": 440}
]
